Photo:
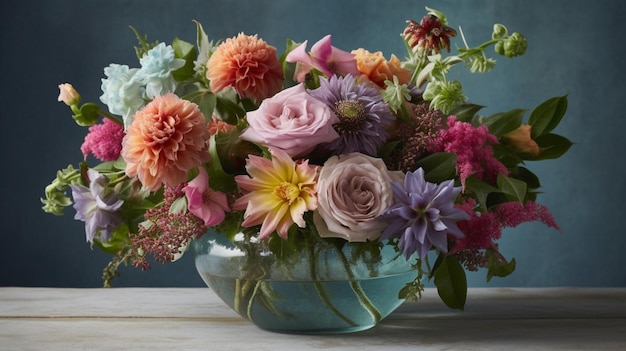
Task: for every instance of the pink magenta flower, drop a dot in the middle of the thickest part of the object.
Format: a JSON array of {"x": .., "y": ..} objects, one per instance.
[
  {"x": 203, "y": 202},
  {"x": 247, "y": 64},
  {"x": 324, "y": 57},
  {"x": 293, "y": 121},
  {"x": 472, "y": 146},
  {"x": 166, "y": 139},
  {"x": 279, "y": 192},
  {"x": 104, "y": 141}
]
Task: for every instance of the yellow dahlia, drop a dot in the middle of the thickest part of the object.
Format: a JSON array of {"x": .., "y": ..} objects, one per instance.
[{"x": 166, "y": 139}]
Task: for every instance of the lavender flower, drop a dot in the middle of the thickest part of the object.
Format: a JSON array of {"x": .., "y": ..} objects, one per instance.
[
  {"x": 423, "y": 214},
  {"x": 362, "y": 113},
  {"x": 97, "y": 206}
]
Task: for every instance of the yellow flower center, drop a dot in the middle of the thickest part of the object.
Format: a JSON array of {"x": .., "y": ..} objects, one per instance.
[{"x": 287, "y": 192}]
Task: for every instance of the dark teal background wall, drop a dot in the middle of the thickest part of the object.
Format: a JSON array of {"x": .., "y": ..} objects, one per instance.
[{"x": 575, "y": 47}]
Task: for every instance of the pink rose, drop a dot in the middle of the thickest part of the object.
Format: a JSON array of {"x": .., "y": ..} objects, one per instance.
[
  {"x": 293, "y": 121},
  {"x": 353, "y": 191}
]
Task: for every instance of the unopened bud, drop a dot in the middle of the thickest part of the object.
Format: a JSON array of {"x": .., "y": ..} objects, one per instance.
[{"x": 68, "y": 94}]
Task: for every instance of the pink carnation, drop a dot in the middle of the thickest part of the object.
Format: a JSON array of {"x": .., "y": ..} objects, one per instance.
[
  {"x": 472, "y": 145},
  {"x": 104, "y": 141}
]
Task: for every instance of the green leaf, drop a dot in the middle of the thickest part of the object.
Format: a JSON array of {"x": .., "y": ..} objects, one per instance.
[
  {"x": 88, "y": 114},
  {"x": 119, "y": 239},
  {"x": 514, "y": 189},
  {"x": 206, "y": 102},
  {"x": 504, "y": 122},
  {"x": 179, "y": 205},
  {"x": 187, "y": 52},
  {"x": 466, "y": 112},
  {"x": 551, "y": 146},
  {"x": 227, "y": 106},
  {"x": 524, "y": 174},
  {"x": 545, "y": 117},
  {"x": 451, "y": 282},
  {"x": 481, "y": 190},
  {"x": 438, "y": 167},
  {"x": 497, "y": 265}
]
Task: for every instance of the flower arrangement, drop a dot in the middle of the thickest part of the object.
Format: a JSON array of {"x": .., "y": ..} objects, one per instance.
[{"x": 315, "y": 144}]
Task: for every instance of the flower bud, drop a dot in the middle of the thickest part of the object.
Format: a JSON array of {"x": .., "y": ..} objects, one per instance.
[
  {"x": 499, "y": 31},
  {"x": 520, "y": 140},
  {"x": 515, "y": 45},
  {"x": 68, "y": 94}
]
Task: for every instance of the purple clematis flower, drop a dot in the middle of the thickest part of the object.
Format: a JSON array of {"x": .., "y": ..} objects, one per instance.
[
  {"x": 423, "y": 214},
  {"x": 97, "y": 206},
  {"x": 324, "y": 57}
]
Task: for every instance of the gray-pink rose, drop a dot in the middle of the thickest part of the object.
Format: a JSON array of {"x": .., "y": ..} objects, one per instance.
[
  {"x": 293, "y": 121},
  {"x": 353, "y": 191}
]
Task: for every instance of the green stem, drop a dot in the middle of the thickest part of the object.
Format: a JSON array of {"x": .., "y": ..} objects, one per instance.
[
  {"x": 356, "y": 287},
  {"x": 238, "y": 297},
  {"x": 108, "y": 115},
  {"x": 320, "y": 289}
]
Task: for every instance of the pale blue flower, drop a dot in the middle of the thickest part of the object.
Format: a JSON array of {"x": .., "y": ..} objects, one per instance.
[
  {"x": 423, "y": 214},
  {"x": 122, "y": 93},
  {"x": 97, "y": 206},
  {"x": 156, "y": 70}
]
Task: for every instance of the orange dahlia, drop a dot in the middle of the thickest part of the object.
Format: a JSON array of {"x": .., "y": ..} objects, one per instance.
[
  {"x": 247, "y": 64},
  {"x": 378, "y": 69},
  {"x": 166, "y": 139}
]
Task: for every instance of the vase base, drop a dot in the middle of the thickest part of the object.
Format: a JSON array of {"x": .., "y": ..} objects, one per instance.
[{"x": 320, "y": 331}]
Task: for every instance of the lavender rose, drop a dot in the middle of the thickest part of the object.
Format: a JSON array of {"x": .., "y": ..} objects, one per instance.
[
  {"x": 353, "y": 191},
  {"x": 293, "y": 121}
]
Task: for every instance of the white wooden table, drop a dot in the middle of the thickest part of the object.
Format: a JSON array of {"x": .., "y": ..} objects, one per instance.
[{"x": 195, "y": 319}]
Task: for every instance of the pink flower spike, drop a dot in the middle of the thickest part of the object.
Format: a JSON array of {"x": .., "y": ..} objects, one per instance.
[{"x": 203, "y": 202}]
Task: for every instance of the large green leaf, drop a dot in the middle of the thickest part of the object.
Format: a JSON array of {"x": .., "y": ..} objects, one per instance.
[
  {"x": 504, "y": 122},
  {"x": 227, "y": 106},
  {"x": 438, "y": 166},
  {"x": 551, "y": 146},
  {"x": 186, "y": 51},
  {"x": 514, "y": 189},
  {"x": 497, "y": 266},
  {"x": 466, "y": 112},
  {"x": 481, "y": 190},
  {"x": 545, "y": 117},
  {"x": 451, "y": 282}
]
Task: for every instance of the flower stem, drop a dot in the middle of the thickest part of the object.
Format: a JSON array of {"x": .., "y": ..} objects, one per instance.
[
  {"x": 356, "y": 287},
  {"x": 320, "y": 289}
]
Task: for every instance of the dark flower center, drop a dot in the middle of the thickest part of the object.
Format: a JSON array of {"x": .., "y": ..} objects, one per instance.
[{"x": 351, "y": 114}]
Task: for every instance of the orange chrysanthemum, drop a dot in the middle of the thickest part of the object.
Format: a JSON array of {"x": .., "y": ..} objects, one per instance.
[
  {"x": 378, "y": 69},
  {"x": 166, "y": 139},
  {"x": 247, "y": 64}
]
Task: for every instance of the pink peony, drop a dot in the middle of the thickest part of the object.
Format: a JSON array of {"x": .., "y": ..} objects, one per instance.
[
  {"x": 104, "y": 141},
  {"x": 293, "y": 121}
]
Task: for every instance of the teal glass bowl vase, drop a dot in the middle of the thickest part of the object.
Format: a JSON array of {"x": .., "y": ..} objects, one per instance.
[{"x": 322, "y": 286}]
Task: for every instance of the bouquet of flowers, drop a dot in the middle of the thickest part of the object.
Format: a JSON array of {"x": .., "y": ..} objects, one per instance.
[{"x": 316, "y": 143}]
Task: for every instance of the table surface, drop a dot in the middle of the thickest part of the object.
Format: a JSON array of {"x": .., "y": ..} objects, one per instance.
[{"x": 195, "y": 319}]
